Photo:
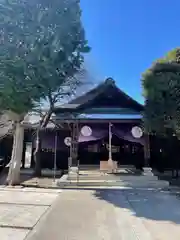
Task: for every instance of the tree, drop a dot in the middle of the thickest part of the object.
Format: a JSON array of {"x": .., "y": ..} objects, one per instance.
[
  {"x": 41, "y": 55},
  {"x": 161, "y": 84},
  {"x": 17, "y": 98},
  {"x": 62, "y": 52}
]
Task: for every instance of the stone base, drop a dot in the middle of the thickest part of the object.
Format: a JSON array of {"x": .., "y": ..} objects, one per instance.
[
  {"x": 147, "y": 172},
  {"x": 146, "y": 180},
  {"x": 104, "y": 166},
  {"x": 73, "y": 173},
  {"x": 73, "y": 170},
  {"x": 62, "y": 181},
  {"x": 108, "y": 166},
  {"x": 144, "y": 184}
]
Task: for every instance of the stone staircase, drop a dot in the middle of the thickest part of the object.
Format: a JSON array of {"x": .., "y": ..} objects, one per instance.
[{"x": 123, "y": 178}]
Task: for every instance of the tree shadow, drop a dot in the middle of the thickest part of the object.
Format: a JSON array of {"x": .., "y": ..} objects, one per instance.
[
  {"x": 149, "y": 204},
  {"x": 27, "y": 178}
]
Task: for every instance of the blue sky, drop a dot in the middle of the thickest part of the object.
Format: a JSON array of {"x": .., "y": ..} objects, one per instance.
[{"x": 127, "y": 35}]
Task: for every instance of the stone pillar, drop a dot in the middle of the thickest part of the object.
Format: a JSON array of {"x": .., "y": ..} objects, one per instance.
[
  {"x": 146, "y": 151},
  {"x": 73, "y": 159},
  {"x": 110, "y": 160},
  {"x": 147, "y": 169}
]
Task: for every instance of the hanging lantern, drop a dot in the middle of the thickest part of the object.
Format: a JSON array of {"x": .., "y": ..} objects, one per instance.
[
  {"x": 86, "y": 131},
  {"x": 137, "y": 132},
  {"x": 67, "y": 141}
]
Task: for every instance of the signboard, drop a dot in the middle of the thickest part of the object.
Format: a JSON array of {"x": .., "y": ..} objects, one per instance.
[{"x": 67, "y": 141}]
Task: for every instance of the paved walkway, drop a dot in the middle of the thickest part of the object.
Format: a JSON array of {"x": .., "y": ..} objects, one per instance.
[
  {"x": 21, "y": 209},
  {"x": 122, "y": 214}
]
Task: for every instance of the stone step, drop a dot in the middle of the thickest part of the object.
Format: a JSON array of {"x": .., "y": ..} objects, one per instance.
[
  {"x": 82, "y": 177},
  {"x": 113, "y": 177},
  {"x": 152, "y": 186},
  {"x": 135, "y": 184}
]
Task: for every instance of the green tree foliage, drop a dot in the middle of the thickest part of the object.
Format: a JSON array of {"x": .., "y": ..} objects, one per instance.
[
  {"x": 42, "y": 46},
  {"x": 161, "y": 84},
  {"x": 41, "y": 53}
]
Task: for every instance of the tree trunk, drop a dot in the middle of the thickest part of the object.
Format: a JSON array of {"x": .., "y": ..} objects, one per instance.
[
  {"x": 37, "y": 153},
  {"x": 15, "y": 164}
]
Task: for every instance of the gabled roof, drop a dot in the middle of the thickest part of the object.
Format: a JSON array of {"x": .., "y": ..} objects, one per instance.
[{"x": 108, "y": 85}]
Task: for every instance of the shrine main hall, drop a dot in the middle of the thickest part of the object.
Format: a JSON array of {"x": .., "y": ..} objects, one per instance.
[{"x": 102, "y": 126}]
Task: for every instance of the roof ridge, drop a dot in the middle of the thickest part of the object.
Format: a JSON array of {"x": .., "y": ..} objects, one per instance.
[
  {"x": 108, "y": 81},
  {"x": 95, "y": 92}
]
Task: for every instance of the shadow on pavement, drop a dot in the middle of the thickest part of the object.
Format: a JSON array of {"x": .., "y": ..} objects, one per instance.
[{"x": 154, "y": 205}]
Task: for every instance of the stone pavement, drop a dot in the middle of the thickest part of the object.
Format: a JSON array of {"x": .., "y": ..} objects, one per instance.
[
  {"x": 111, "y": 214},
  {"x": 21, "y": 209}
]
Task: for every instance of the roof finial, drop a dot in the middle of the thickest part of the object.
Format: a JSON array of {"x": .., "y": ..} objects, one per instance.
[{"x": 110, "y": 81}]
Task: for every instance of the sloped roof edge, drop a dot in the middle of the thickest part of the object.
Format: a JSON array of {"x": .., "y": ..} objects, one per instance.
[{"x": 75, "y": 103}]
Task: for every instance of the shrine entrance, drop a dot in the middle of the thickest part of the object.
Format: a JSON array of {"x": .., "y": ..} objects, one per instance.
[{"x": 123, "y": 152}]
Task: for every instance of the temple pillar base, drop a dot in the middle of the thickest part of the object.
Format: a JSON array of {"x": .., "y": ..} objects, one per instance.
[
  {"x": 73, "y": 172},
  {"x": 112, "y": 165},
  {"x": 108, "y": 166},
  {"x": 147, "y": 171}
]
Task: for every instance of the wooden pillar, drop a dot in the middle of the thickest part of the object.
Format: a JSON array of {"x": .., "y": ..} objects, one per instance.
[
  {"x": 32, "y": 156},
  {"x": 74, "y": 145},
  {"x": 146, "y": 151},
  {"x": 24, "y": 154}
]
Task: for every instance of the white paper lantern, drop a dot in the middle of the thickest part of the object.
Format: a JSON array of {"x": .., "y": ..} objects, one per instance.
[
  {"x": 137, "y": 132},
  {"x": 86, "y": 131},
  {"x": 67, "y": 141}
]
